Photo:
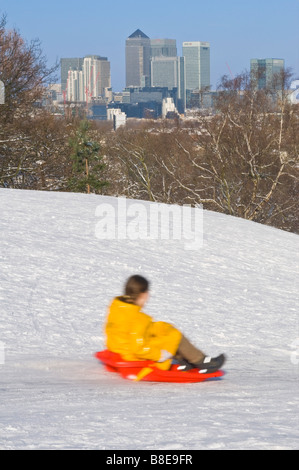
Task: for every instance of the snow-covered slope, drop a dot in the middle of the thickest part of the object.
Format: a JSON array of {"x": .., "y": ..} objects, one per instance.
[{"x": 238, "y": 295}]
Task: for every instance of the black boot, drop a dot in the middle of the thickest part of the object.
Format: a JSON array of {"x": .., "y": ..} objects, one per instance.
[
  {"x": 210, "y": 364},
  {"x": 185, "y": 365}
]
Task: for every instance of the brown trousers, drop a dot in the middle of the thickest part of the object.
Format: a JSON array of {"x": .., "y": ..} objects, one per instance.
[{"x": 190, "y": 353}]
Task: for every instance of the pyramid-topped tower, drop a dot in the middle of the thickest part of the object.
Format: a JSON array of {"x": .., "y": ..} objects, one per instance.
[
  {"x": 138, "y": 34},
  {"x": 138, "y": 50}
]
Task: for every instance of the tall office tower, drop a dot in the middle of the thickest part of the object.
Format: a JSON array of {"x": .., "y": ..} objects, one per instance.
[
  {"x": 163, "y": 47},
  {"x": 263, "y": 71},
  {"x": 197, "y": 64},
  {"x": 65, "y": 66},
  {"x": 169, "y": 72},
  {"x": 138, "y": 47},
  {"x": 75, "y": 88},
  {"x": 96, "y": 72}
]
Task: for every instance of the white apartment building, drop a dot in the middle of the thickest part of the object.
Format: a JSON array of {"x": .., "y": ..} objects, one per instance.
[
  {"x": 75, "y": 89},
  {"x": 90, "y": 82},
  {"x": 96, "y": 72}
]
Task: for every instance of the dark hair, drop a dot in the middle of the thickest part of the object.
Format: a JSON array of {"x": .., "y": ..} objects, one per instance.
[{"x": 135, "y": 286}]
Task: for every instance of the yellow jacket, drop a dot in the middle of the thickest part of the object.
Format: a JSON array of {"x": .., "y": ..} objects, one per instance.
[{"x": 135, "y": 336}]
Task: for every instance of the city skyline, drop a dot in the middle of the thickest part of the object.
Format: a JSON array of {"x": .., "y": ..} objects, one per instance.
[{"x": 237, "y": 32}]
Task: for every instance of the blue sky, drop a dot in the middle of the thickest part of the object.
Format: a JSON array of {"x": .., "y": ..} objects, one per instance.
[{"x": 237, "y": 30}]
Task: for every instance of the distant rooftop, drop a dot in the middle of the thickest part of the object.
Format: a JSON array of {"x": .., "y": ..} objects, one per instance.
[{"x": 138, "y": 34}]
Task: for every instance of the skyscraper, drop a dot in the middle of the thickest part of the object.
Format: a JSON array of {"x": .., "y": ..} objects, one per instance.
[
  {"x": 67, "y": 64},
  {"x": 96, "y": 72},
  {"x": 85, "y": 79},
  {"x": 163, "y": 47},
  {"x": 197, "y": 65},
  {"x": 75, "y": 88},
  {"x": 263, "y": 71},
  {"x": 138, "y": 47},
  {"x": 169, "y": 72}
]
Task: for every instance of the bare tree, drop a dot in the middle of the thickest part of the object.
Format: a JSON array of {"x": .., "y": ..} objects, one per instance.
[
  {"x": 23, "y": 70},
  {"x": 243, "y": 160},
  {"x": 245, "y": 157},
  {"x": 134, "y": 151},
  {"x": 35, "y": 153}
]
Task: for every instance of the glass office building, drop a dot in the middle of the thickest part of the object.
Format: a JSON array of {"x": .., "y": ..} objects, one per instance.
[
  {"x": 163, "y": 48},
  {"x": 197, "y": 65},
  {"x": 265, "y": 72},
  {"x": 67, "y": 64},
  {"x": 169, "y": 72},
  {"x": 138, "y": 50}
]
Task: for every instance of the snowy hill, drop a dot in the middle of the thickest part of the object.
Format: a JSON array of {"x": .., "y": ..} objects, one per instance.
[{"x": 238, "y": 294}]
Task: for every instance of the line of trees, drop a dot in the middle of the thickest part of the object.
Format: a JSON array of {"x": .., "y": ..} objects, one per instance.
[{"x": 242, "y": 160}]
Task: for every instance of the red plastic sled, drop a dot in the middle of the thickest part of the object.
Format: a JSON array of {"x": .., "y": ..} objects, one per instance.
[{"x": 146, "y": 371}]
